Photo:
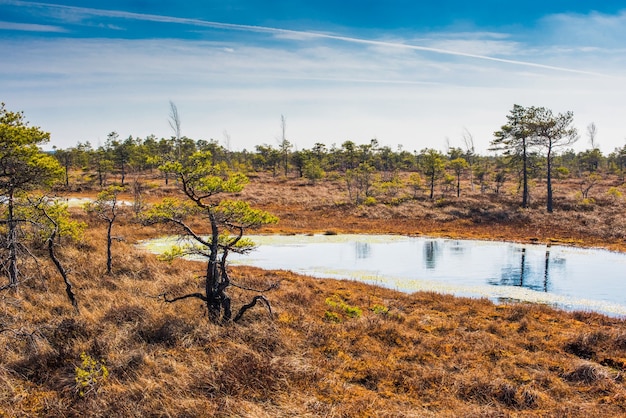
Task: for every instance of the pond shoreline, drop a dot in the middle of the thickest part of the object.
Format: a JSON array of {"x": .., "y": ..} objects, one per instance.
[
  {"x": 321, "y": 207},
  {"x": 552, "y": 275},
  {"x": 454, "y": 229}
]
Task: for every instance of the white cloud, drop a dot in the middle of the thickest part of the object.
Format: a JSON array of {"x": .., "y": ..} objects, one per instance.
[
  {"x": 30, "y": 27},
  {"x": 583, "y": 31},
  {"x": 331, "y": 88},
  {"x": 111, "y": 26},
  {"x": 72, "y": 13},
  {"x": 482, "y": 47},
  {"x": 83, "y": 89}
]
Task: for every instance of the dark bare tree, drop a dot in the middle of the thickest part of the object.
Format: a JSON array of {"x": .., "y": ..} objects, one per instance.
[
  {"x": 106, "y": 207},
  {"x": 174, "y": 121},
  {"x": 592, "y": 132},
  {"x": 468, "y": 140},
  {"x": 54, "y": 226},
  {"x": 204, "y": 184}
]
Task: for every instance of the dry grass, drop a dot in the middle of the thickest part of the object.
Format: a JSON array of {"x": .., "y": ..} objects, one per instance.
[
  {"x": 416, "y": 355},
  {"x": 324, "y": 206}
]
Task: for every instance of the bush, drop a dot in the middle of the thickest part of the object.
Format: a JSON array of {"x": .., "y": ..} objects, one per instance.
[
  {"x": 343, "y": 308},
  {"x": 614, "y": 193},
  {"x": 380, "y": 309},
  {"x": 369, "y": 201},
  {"x": 90, "y": 374},
  {"x": 332, "y": 317}
]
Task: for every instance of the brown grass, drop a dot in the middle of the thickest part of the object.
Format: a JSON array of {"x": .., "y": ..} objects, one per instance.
[
  {"x": 324, "y": 206},
  {"x": 418, "y": 355}
]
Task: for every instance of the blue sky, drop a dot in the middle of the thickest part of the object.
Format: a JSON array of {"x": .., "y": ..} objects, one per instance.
[{"x": 415, "y": 74}]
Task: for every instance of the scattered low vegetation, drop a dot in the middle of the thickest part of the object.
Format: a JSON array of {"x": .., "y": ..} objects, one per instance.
[
  {"x": 127, "y": 353},
  {"x": 88, "y": 327},
  {"x": 330, "y": 348}
]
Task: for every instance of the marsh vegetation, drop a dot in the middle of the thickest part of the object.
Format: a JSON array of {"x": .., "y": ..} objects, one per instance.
[{"x": 329, "y": 347}]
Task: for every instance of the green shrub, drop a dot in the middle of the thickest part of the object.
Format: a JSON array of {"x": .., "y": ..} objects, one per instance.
[
  {"x": 332, "y": 317},
  {"x": 369, "y": 201},
  {"x": 89, "y": 374},
  {"x": 340, "y": 305},
  {"x": 380, "y": 309},
  {"x": 352, "y": 311},
  {"x": 614, "y": 192}
]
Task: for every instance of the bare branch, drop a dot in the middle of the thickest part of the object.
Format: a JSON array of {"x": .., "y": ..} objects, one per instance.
[
  {"x": 21, "y": 333},
  {"x": 183, "y": 225},
  {"x": 191, "y": 295},
  {"x": 250, "y": 305},
  {"x": 9, "y": 286},
  {"x": 271, "y": 287},
  {"x": 68, "y": 285},
  {"x": 468, "y": 140}
]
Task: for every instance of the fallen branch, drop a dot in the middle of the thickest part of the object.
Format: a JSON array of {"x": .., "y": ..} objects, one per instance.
[
  {"x": 255, "y": 299},
  {"x": 20, "y": 333},
  {"x": 191, "y": 295}
]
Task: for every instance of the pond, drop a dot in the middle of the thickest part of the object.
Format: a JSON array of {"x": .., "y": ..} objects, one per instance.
[
  {"x": 565, "y": 277},
  {"x": 76, "y": 202}
]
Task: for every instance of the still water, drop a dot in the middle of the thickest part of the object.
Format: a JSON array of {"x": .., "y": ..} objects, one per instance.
[{"x": 565, "y": 277}]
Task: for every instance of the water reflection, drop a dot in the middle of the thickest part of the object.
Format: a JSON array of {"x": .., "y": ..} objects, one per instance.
[
  {"x": 457, "y": 247},
  {"x": 431, "y": 253},
  {"x": 534, "y": 274},
  {"x": 546, "y": 270},
  {"x": 362, "y": 250},
  {"x": 567, "y": 277},
  {"x": 513, "y": 274}
]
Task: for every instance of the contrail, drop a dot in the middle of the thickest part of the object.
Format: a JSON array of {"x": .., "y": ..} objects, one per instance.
[
  {"x": 300, "y": 34},
  {"x": 30, "y": 27}
]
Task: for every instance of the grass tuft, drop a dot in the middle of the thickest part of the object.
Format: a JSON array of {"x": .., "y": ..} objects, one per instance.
[{"x": 388, "y": 354}]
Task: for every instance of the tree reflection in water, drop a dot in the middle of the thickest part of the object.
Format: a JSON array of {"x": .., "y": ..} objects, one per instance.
[
  {"x": 431, "y": 254},
  {"x": 575, "y": 278},
  {"x": 362, "y": 250},
  {"x": 523, "y": 275}
]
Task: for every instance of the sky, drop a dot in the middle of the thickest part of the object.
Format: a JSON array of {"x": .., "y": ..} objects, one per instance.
[{"x": 410, "y": 74}]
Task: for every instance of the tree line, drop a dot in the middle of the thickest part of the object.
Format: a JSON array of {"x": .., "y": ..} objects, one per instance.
[{"x": 534, "y": 143}]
